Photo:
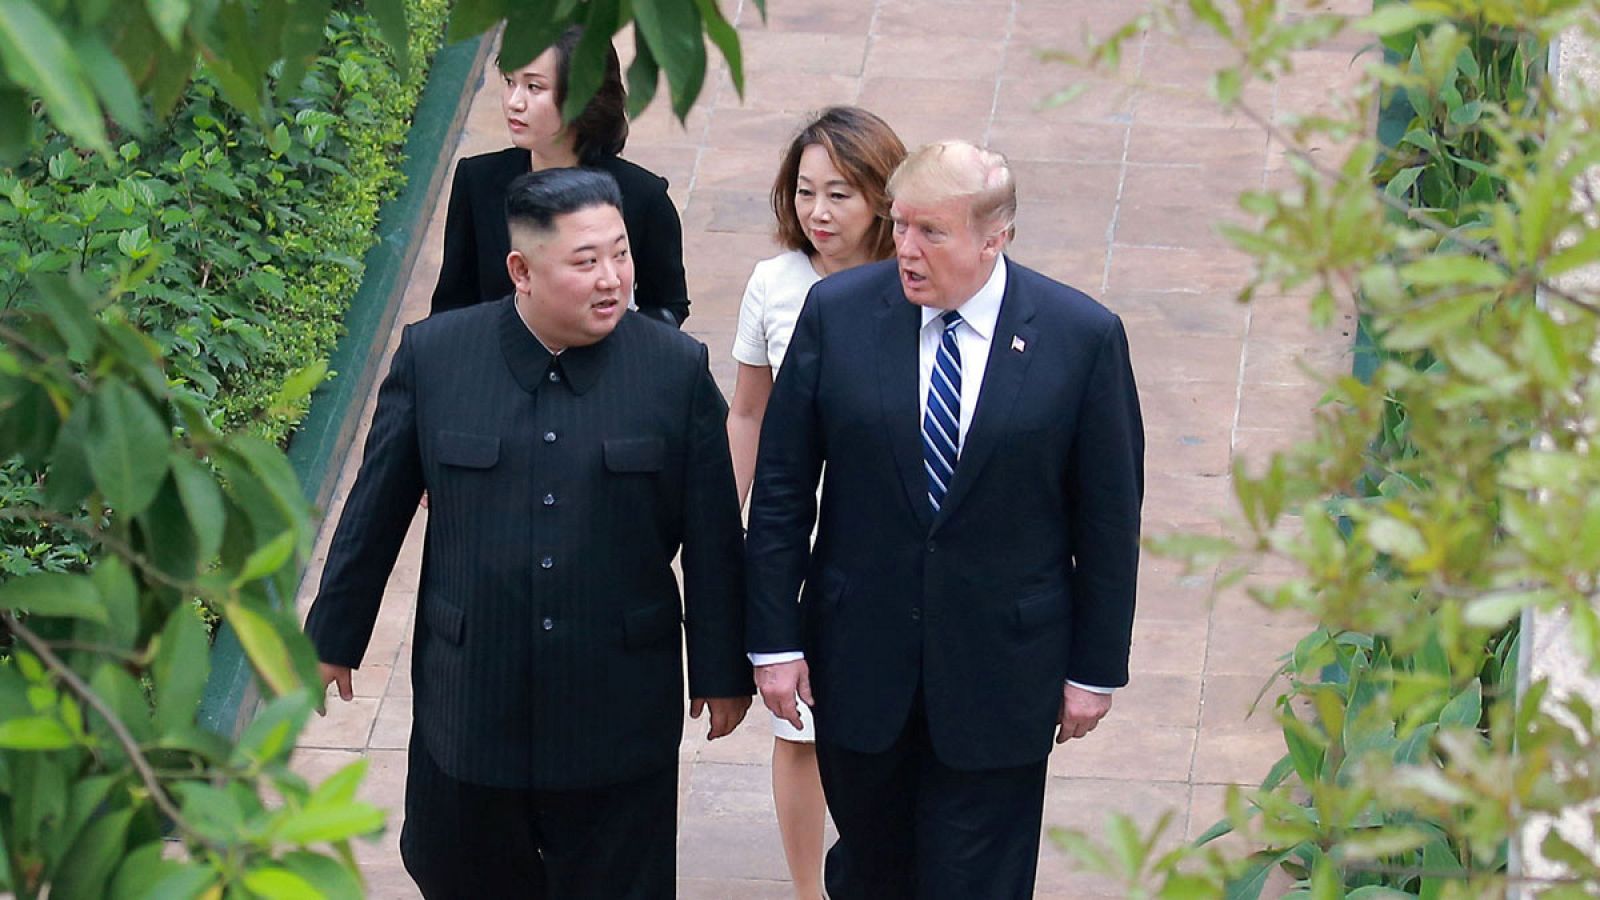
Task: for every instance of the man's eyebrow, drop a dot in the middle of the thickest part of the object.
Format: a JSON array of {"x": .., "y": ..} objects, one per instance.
[{"x": 595, "y": 245}]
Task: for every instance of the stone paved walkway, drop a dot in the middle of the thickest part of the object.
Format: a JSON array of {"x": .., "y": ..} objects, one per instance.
[{"x": 1119, "y": 190}]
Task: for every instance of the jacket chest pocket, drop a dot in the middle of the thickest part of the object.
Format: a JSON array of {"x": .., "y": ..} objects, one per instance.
[
  {"x": 467, "y": 451},
  {"x": 634, "y": 456}
]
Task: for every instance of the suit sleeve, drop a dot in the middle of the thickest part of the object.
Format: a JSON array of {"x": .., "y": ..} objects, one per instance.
[
  {"x": 713, "y": 552},
  {"x": 658, "y": 259},
  {"x": 1106, "y": 481},
  {"x": 783, "y": 501},
  {"x": 376, "y": 516},
  {"x": 458, "y": 271}
]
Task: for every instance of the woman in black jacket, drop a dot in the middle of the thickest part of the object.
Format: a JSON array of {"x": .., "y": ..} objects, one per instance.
[{"x": 475, "y": 238}]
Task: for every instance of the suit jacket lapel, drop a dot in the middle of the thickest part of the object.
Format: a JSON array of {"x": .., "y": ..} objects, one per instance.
[
  {"x": 898, "y": 323},
  {"x": 1002, "y": 384}
]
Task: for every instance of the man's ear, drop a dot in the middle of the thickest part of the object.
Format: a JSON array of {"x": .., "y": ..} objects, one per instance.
[
  {"x": 994, "y": 243},
  {"x": 521, "y": 272}
]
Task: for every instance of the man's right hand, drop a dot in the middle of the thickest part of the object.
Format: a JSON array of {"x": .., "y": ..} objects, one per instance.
[
  {"x": 779, "y": 683},
  {"x": 340, "y": 675}
]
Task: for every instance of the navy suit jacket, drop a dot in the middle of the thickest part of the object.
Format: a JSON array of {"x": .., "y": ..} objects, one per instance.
[{"x": 1023, "y": 579}]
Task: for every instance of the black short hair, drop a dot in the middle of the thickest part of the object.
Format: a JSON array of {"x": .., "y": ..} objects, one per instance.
[{"x": 535, "y": 199}]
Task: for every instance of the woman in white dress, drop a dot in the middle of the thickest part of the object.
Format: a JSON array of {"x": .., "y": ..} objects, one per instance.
[{"x": 832, "y": 212}]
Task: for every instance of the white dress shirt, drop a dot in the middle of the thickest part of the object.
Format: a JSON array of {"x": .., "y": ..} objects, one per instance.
[{"x": 979, "y": 316}]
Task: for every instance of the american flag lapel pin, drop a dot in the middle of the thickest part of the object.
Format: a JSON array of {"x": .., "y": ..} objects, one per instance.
[{"x": 1018, "y": 344}]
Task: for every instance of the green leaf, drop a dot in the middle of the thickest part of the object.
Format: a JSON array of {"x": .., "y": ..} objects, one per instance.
[
  {"x": 1396, "y": 18},
  {"x": 674, "y": 32},
  {"x": 1396, "y": 538},
  {"x": 119, "y": 598},
  {"x": 264, "y": 646},
  {"x": 301, "y": 383},
  {"x": 1402, "y": 181},
  {"x": 332, "y": 879},
  {"x": 111, "y": 82},
  {"x": 1464, "y": 709},
  {"x": 643, "y": 76},
  {"x": 88, "y": 866},
  {"x": 70, "y": 314},
  {"x": 182, "y": 664},
  {"x": 170, "y": 18},
  {"x": 267, "y": 559},
  {"x": 143, "y": 869},
  {"x": 34, "y": 733},
  {"x": 127, "y": 448},
  {"x": 202, "y": 503},
  {"x": 55, "y": 594},
  {"x": 271, "y": 733},
  {"x": 529, "y": 32},
  {"x": 1495, "y": 610},
  {"x": 314, "y": 825},
  {"x": 37, "y": 57},
  {"x": 1449, "y": 269},
  {"x": 16, "y": 136},
  {"x": 340, "y": 787},
  {"x": 276, "y": 883},
  {"x": 390, "y": 15},
  {"x": 470, "y": 18},
  {"x": 726, "y": 38}
]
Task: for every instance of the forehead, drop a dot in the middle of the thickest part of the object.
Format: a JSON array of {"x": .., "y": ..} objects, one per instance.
[
  {"x": 542, "y": 66},
  {"x": 601, "y": 224},
  {"x": 948, "y": 212}
]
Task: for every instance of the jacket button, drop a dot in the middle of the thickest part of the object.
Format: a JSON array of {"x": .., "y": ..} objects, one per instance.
[
  {"x": 554, "y": 375},
  {"x": 547, "y": 562},
  {"x": 549, "y": 499},
  {"x": 548, "y": 623},
  {"x": 916, "y": 614},
  {"x": 549, "y": 437},
  {"x": 932, "y": 546}
]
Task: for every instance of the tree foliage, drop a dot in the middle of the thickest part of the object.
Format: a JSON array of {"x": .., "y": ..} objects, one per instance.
[
  {"x": 114, "y": 460},
  {"x": 1441, "y": 494}
]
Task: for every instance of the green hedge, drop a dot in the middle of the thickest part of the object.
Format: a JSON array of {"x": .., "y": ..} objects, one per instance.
[{"x": 236, "y": 245}]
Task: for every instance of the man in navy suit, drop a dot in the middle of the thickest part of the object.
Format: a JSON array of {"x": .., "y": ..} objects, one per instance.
[{"x": 970, "y": 593}]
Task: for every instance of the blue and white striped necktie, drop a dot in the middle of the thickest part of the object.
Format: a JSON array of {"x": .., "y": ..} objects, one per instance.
[{"x": 941, "y": 424}]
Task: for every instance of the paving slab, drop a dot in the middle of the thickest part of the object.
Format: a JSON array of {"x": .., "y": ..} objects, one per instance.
[{"x": 1121, "y": 189}]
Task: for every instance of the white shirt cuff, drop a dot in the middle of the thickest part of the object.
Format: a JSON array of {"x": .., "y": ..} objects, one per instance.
[
  {"x": 1093, "y": 689},
  {"x": 772, "y": 659}
]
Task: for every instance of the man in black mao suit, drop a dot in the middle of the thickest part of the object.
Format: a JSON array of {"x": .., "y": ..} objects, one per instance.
[
  {"x": 570, "y": 449},
  {"x": 971, "y": 588}
]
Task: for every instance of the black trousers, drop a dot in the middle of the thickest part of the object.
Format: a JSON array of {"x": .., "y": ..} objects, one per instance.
[
  {"x": 911, "y": 827},
  {"x": 617, "y": 842}
]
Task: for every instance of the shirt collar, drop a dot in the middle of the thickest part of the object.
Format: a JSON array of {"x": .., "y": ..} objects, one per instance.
[
  {"x": 531, "y": 362},
  {"x": 982, "y": 310}
]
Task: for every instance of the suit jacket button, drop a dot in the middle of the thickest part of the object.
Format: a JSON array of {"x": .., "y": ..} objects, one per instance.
[
  {"x": 932, "y": 546},
  {"x": 546, "y": 563},
  {"x": 555, "y": 376},
  {"x": 548, "y": 623},
  {"x": 549, "y": 499},
  {"x": 549, "y": 437},
  {"x": 916, "y": 614}
]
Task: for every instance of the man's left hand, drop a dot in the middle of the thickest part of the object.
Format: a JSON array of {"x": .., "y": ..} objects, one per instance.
[
  {"x": 726, "y": 713},
  {"x": 1081, "y": 711}
]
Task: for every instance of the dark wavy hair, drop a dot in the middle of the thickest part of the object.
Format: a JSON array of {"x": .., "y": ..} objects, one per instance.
[
  {"x": 601, "y": 129},
  {"x": 864, "y": 149}
]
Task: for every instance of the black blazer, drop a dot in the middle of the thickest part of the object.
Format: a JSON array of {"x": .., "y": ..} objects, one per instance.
[
  {"x": 476, "y": 241},
  {"x": 1024, "y": 578},
  {"x": 548, "y": 649}
]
